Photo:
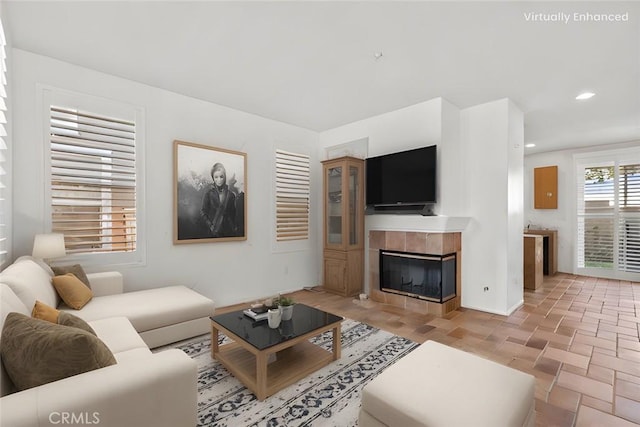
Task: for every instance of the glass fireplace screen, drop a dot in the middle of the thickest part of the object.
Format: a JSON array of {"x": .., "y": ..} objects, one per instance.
[{"x": 428, "y": 277}]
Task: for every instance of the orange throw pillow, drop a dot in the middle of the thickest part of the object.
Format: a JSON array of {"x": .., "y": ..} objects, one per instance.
[
  {"x": 72, "y": 291},
  {"x": 43, "y": 311}
]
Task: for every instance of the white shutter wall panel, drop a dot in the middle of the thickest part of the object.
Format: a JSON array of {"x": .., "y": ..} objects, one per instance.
[
  {"x": 3, "y": 152},
  {"x": 93, "y": 181},
  {"x": 292, "y": 196},
  {"x": 629, "y": 218},
  {"x": 580, "y": 216},
  {"x": 595, "y": 219}
]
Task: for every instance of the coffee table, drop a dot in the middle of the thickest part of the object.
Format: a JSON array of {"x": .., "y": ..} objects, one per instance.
[{"x": 267, "y": 360}]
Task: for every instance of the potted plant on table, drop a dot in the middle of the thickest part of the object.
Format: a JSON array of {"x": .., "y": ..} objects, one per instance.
[
  {"x": 286, "y": 307},
  {"x": 271, "y": 303}
]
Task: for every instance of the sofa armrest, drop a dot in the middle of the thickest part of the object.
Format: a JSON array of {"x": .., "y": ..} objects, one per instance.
[
  {"x": 106, "y": 283},
  {"x": 158, "y": 390}
]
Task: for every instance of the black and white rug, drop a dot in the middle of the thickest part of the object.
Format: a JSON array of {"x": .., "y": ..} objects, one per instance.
[{"x": 328, "y": 397}]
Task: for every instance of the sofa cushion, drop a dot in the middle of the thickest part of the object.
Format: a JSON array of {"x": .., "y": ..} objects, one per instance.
[
  {"x": 118, "y": 334},
  {"x": 36, "y": 352},
  {"x": 149, "y": 309},
  {"x": 43, "y": 311},
  {"x": 38, "y": 261},
  {"x": 30, "y": 283},
  {"x": 75, "y": 269},
  {"x": 9, "y": 302},
  {"x": 73, "y": 292},
  {"x": 132, "y": 355}
]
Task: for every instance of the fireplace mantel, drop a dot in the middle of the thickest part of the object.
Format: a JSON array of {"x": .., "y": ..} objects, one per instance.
[{"x": 417, "y": 223}]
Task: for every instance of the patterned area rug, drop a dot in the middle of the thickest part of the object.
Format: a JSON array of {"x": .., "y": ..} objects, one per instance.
[{"x": 328, "y": 397}]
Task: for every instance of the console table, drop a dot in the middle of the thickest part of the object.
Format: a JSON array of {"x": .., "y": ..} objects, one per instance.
[
  {"x": 550, "y": 249},
  {"x": 533, "y": 269}
]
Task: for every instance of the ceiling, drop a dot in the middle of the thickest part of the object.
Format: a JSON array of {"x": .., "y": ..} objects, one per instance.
[{"x": 314, "y": 65}]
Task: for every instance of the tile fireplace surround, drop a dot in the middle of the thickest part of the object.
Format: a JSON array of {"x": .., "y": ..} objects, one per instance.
[{"x": 420, "y": 243}]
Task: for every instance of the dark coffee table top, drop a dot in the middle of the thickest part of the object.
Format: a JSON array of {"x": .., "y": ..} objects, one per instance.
[{"x": 258, "y": 333}]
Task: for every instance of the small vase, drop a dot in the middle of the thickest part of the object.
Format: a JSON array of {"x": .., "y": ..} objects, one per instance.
[
  {"x": 286, "y": 312},
  {"x": 274, "y": 316}
]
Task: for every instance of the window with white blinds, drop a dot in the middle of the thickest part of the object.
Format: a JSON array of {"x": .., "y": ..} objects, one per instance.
[
  {"x": 609, "y": 217},
  {"x": 93, "y": 181},
  {"x": 292, "y": 196},
  {"x": 629, "y": 218},
  {"x": 4, "y": 232},
  {"x": 596, "y": 211}
]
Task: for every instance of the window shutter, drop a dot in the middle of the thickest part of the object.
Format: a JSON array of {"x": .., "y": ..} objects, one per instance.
[
  {"x": 292, "y": 196},
  {"x": 629, "y": 218},
  {"x": 4, "y": 232},
  {"x": 596, "y": 217},
  {"x": 93, "y": 181}
]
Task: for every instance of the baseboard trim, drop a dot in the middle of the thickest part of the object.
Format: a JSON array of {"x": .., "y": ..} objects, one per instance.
[{"x": 501, "y": 313}]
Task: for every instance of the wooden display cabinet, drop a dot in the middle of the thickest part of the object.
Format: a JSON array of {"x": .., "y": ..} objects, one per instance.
[{"x": 343, "y": 187}]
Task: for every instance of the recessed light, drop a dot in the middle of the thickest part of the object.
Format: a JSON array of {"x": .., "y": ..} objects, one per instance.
[
  {"x": 585, "y": 95},
  {"x": 529, "y": 145}
]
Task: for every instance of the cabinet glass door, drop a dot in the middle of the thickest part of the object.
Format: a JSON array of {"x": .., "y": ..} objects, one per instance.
[
  {"x": 334, "y": 205},
  {"x": 354, "y": 185}
]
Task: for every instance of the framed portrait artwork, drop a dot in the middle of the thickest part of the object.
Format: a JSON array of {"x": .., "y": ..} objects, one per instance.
[{"x": 210, "y": 194}]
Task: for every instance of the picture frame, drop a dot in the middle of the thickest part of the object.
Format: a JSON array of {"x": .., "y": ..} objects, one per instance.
[{"x": 209, "y": 194}]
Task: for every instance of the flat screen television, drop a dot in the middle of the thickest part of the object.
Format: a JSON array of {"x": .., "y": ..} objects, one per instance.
[{"x": 403, "y": 178}]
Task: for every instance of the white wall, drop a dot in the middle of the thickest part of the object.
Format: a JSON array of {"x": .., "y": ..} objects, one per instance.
[
  {"x": 515, "y": 208},
  {"x": 415, "y": 126},
  {"x": 452, "y": 182},
  {"x": 492, "y": 242},
  {"x": 563, "y": 218},
  {"x": 228, "y": 272}
]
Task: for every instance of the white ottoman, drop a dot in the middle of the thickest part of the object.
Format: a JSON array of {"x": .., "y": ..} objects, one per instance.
[{"x": 437, "y": 385}]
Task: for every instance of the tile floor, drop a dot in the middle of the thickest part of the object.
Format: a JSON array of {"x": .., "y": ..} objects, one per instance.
[{"x": 579, "y": 337}]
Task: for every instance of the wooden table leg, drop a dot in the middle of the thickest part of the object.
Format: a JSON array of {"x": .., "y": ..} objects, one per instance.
[
  {"x": 337, "y": 345},
  {"x": 261, "y": 374},
  {"x": 214, "y": 341}
]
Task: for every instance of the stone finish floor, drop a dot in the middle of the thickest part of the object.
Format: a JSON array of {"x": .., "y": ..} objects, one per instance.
[{"x": 579, "y": 337}]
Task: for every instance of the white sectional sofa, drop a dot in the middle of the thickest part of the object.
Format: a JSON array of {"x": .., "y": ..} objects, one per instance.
[{"x": 143, "y": 388}]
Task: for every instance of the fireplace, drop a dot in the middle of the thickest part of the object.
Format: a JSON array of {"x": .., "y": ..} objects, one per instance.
[
  {"x": 427, "y": 277},
  {"x": 423, "y": 244}
]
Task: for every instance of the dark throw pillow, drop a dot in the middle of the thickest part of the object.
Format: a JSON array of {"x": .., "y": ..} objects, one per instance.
[
  {"x": 36, "y": 352},
  {"x": 68, "y": 319}
]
